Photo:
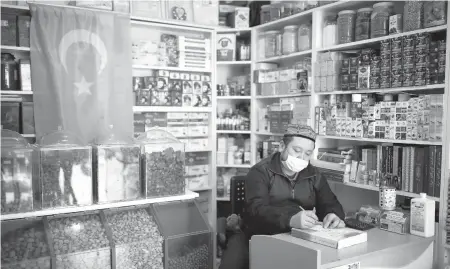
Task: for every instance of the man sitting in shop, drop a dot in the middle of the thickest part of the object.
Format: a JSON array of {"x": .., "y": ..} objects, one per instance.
[{"x": 284, "y": 191}]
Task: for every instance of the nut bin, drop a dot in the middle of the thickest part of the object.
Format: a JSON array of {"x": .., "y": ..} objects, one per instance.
[
  {"x": 79, "y": 242},
  {"x": 24, "y": 245},
  {"x": 187, "y": 235},
  {"x": 162, "y": 163},
  {"x": 65, "y": 172},
  {"x": 137, "y": 242},
  {"x": 116, "y": 170},
  {"x": 17, "y": 170}
]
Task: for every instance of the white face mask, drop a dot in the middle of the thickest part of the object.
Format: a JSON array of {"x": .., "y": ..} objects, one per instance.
[{"x": 295, "y": 164}]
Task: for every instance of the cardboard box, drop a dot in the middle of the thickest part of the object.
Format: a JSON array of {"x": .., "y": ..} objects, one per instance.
[
  {"x": 240, "y": 18},
  {"x": 226, "y": 47}
]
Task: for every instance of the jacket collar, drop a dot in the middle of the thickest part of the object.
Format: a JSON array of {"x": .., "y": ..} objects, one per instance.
[{"x": 275, "y": 167}]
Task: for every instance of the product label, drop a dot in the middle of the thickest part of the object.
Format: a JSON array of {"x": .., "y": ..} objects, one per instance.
[{"x": 417, "y": 216}]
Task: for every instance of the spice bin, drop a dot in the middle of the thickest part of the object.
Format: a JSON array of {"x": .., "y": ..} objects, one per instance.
[
  {"x": 17, "y": 172},
  {"x": 346, "y": 26},
  {"x": 136, "y": 240},
  {"x": 65, "y": 172},
  {"x": 162, "y": 157},
  {"x": 79, "y": 241},
  {"x": 24, "y": 245},
  {"x": 187, "y": 235},
  {"x": 379, "y": 24},
  {"x": 116, "y": 170}
]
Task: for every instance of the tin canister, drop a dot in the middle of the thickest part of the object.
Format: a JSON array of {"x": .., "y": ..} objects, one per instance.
[{"x": 387, "y": 198}]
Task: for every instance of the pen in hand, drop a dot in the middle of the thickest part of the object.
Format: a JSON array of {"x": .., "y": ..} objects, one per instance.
[{"x": 314, "y": 211}]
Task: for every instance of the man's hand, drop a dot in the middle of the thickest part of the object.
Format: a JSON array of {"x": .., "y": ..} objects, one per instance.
[
  {"x": 304, "y": 220},
  {"x": 331, "y": 221}
]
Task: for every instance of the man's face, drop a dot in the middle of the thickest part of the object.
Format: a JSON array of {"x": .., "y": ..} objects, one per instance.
[{"x": 298, "y": 147}]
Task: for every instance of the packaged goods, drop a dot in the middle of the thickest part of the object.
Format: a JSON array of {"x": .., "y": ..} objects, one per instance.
[
  {"x": 9, "y": 33},
  {"x": 379, "y": 25},
  {"x": 346, "y": 26},
  {"x": 413, "y": 15},
  {"x": 226, "y": 47},
  {"x": 434, "y": 13},
  {"x": 290, "y": 40},
  {"x": 396, "y": 24},
  {"x": 275, "y": 10},
  {"x": 265, "y": 14},
  {"x": 362, "y": 30},
  {"x": 271, "y": 43},
  {"x": 17, "y": 171},
  {"x": 63, "y": 157},
  {"x": 330, "y": 32},
  {"x": 240, "y": 17}
]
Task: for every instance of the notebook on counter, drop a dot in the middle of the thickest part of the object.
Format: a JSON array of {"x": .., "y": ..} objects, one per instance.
[{"x": 335, "y": 238}]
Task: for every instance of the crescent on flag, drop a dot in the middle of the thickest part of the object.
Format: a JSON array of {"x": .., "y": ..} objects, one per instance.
[{"x": 82, "y": 35}]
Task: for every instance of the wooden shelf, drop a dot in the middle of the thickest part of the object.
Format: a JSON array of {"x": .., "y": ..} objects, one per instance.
[
  {"x": 238, "y": 31},
  {"x": 376, "y": 140},
  {"x": 233, "y": 132},
  {"x": 234, "y": 166},
  {"x": 16, "y": 92},
  {"x": 170, "y": 109},
  {"x": 201, "y": 189},
  {"x": 234, "y": 62},
  {"x": 169, "y": 68},
  {"x": 279, "y": 59},
  {"x": 234, "y": 97},
  {"x": 65, "y": 210},
  {"x": 390, "y": 90},
  {"x": 283, "y": 95},
  {"x": 223, "y": 199},
  {"x": 269, "y": 134}
]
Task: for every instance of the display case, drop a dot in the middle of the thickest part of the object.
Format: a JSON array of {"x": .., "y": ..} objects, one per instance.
[
  {"x": 24, "y": 245},
  {"x": 187, "y": 235},
  {"x": 137, "y": 242},
  {"x": 79, "y": 241},
  {"x": 65, "y": 172},
  {"x": 116, "y": 170},
  {"x": 162, "y": 163},
  {"x": 17, "y": 172}
]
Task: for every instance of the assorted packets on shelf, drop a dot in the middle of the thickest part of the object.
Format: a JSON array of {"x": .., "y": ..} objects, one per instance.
[
  {"x": 168, "y": 88},
  {"x": 417, "y": 118}
]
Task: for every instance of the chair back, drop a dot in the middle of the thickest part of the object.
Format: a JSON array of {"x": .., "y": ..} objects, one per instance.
[{"x": 237, "y": 195}]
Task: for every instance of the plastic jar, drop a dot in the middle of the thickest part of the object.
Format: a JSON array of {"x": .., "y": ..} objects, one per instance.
[
  {"x": 362, "y": 29},
  {"x": 261, "y": 46},
  {"x": 279, "y": 44},
  {"x": 287, "y": 10},
  {"x": 329, "y": 33},
  {"x": 304, "y": 37},
  {"x": 290, "y": 39},
  {"x": 275, "y": 10},
  {"x": 271, "y": 43},
  {"x": 346, "y": 26},
  {"x": 379, "y": 20},
  {"x": 265, "y": 14}
]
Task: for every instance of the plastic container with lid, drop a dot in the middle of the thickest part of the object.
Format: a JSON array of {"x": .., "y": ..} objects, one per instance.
[
  {"x": 276, "y": 8},
  {"x": 346, "y": 26},
  {"x": 116, "y": 169},
  {"x": 362, "y": 28},
  {"x": 329, "y": 34},
  {"x": 304, "y": 37},
  {"x": 17, "y": 174},
  {"x": 79, "y": 240},
  {"x": 379, "y": 20},
  {"x": 15, "y": 254},
  {"x": 271, "y": 43},
  {"x": 134, "y": 232},
  {"x": 187, "y": 235},
  {"x": 65, "y": 172},
  {"x": 422, "y": 216},
  {"x": 265, "y": 14},
  {"x": 163, "y": 163},
  {"x": 290, "y": 39}
]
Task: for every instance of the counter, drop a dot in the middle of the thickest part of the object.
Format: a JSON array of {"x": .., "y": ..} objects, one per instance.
[{"x": 382, "y": 250}]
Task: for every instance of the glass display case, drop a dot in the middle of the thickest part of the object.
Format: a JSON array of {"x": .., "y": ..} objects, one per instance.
[
  {"x": 65, "y": 172},
  {"x": 137, "y": 242},
  {"x": 116, "y": 170},
  {"x": 24, "y": 245},
  {"x": 17, "y": 171},
  {"x": 187, "y": 235},
  {"x": 163, "y": 163},
  {"x": 79, "y": 241}
]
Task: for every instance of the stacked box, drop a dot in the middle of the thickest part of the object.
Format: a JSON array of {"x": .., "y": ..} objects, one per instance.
[
  {"x": 385, "y": 65},
  {"x": 437, "y": 62},
  {"x": 23, "y": 31},
  {"x": 409, "y": 62},
  {"x": 9, "y": 29},
  {"x": 197, "y": 170},
  {"x": 422, "y": 59}
]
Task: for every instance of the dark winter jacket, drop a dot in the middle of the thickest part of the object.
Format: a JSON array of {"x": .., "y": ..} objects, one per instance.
[{"x": 272, "y": 199}]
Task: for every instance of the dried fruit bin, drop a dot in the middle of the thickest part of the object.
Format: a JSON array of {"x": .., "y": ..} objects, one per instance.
[
  {"x": 79, "y": 241},
  {"x": 24, "y": 245},
  {"x": 162, "y": 163},
  {"x": 17, "y": 173},
  {"x": 187, "y": 235},
  {"x": 116, "y": 171},
  {"x": 65, "y": 171},
  {"x": 136, "y": 240}
]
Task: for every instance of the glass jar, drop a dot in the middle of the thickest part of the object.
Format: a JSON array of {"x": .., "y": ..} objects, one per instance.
[
  {"x": 379, "y": 20},
  {"x": 346, "y": 26},
  {"x": 288, "y": 9},
  {"x": 271, "y": 43},
  {"x": 362, "y": 29},
  {"x": 279, "y": 44},
  {"x": 304, "y": 37},
  {"x": 265, "y": 14},
  {"x": 329, "y": 34},
  {"x": 290, "y": 39},
  {"x": 261, "y": 46},
  {"x": 275, "y": 10},
  {"x": 299, "y": 6}
]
